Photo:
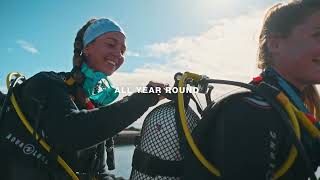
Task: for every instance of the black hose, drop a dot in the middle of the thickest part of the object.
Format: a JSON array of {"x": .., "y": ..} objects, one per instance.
[{"x": 6, "y": 102}]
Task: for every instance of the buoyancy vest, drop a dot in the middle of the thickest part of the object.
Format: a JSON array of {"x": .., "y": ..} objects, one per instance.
[
  {"x": 20, "y": 149},
  {"x": 208, "y": 128}
]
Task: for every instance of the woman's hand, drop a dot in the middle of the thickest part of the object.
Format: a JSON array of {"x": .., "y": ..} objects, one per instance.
[{"x": 158, "y": 88}]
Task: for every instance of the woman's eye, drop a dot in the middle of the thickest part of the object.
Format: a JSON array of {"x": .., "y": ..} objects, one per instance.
[
  {"x": 110, "y": 44},
  {"x": 316, "y": 34}
]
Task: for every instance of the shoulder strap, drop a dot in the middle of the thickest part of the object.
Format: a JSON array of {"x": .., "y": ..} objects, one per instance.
[
  {"x": 4, "y": 102},
  {"x": 2, "y": 98}
]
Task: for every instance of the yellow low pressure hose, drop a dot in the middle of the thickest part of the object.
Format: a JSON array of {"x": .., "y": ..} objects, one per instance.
[
  {"x": 185, "y": 128},
  {"x": 310, "y": 127},
  {"x": 297, "y": 115},
  {"x": 31, "y": 130},
  {"x": 293, "y": 151}
]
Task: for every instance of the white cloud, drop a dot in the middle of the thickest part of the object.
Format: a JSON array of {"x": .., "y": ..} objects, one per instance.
[
  {"x": 132, "y": 54},
  {"x": 227, "y": 50},
  {"x": 27, "y": 46}
]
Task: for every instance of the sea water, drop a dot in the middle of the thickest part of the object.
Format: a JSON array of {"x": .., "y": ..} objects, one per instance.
[{"x": 123, "y": 160}]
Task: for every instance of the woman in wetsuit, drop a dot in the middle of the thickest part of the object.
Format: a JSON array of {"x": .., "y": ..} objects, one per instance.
[
  {"x": 72, "y": 111},
  {"x": 243, "y": 135}
]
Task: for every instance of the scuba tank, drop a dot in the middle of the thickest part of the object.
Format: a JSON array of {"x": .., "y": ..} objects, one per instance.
[
  {"x": 152, "y": 161},
  {"x": 158, "y": 154}
]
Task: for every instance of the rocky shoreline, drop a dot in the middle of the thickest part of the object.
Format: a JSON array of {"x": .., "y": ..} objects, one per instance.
[{"x": 127, "y": 137}]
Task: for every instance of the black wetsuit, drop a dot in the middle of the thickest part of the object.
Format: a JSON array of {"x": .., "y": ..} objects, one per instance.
[
  {"x": 245, "y": 138},
  {"x": 72, "y": 132}
]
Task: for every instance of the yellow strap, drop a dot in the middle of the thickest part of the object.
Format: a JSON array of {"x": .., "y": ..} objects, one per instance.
[
  {"x": 185, "y": 128},
  {"x": 303, "y": 119},
  {"x": 31, "y": 130},
  {"x": 293, "y": 151},
  {"x": 69, "y": 81}
]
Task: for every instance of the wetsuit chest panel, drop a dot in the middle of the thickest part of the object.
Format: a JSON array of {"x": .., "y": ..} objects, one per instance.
[{"x": 225, "y": 133}]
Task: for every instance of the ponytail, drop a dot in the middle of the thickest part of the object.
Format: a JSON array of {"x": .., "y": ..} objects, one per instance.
[{"x": 78, "y": 57}]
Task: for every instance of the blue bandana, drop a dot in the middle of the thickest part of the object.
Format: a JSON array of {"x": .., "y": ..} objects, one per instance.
[
  {"x": 98, "y": 28},
  {"x": 98, "y": 87}
]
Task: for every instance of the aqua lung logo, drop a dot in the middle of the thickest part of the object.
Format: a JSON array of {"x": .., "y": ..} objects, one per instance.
[{"x": 27, "y": 149}]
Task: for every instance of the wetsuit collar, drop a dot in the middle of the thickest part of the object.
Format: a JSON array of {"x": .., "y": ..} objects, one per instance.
[
  {"x": 98, "y": 87},
  {"x": 293, "y": 92}
]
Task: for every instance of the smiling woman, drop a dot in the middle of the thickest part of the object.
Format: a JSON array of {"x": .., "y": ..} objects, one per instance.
[
  {"x": 106, "y": 53},
  {"x": 73, "y": 112}
]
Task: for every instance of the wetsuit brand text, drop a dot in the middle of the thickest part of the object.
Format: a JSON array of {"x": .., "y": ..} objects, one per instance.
[
  {"x": 272, "y": 154},
  {"x": 27, "y": 149}
]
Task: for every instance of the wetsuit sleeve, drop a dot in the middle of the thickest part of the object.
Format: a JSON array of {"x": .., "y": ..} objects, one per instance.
[
  {"x": 246, "y": 140},
  {"x": 74, "y": 129}
]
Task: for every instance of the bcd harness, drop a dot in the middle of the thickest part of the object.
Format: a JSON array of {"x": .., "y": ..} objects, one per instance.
[
  {"x": 12, "y": 80},
  {"x": 278, "y": 100}
]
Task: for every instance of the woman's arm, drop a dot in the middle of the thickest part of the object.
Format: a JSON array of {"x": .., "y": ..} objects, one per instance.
[{"x": 68, "y": 127}]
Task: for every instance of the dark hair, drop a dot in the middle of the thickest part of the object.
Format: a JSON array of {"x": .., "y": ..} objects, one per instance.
[
  {"x": 78, "y": 56},
  {"x": 279, "y": 20}
]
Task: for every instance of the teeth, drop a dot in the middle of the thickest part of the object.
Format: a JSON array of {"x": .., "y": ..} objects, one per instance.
[{"x": 111, "y": 62}]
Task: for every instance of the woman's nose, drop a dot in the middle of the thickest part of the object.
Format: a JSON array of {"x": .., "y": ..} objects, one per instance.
[
  {"x": 118, "y": 56},
  {"x": 117, "y": 53}
]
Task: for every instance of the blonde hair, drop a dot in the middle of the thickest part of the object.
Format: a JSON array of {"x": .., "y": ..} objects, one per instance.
[{"x": 280, "y": 19}]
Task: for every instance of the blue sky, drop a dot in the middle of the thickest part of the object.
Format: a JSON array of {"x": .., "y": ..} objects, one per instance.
[{"x": 38, "y": 35}]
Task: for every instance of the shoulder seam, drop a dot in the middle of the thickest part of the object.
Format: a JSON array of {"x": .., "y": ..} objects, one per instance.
[{"x": 260, "y": 103}]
